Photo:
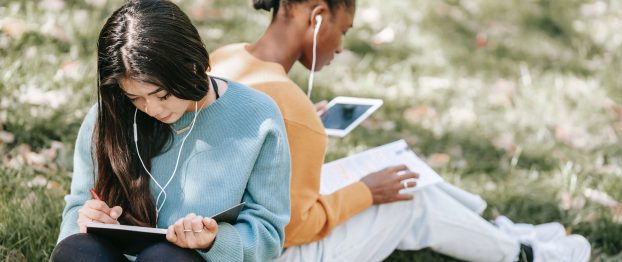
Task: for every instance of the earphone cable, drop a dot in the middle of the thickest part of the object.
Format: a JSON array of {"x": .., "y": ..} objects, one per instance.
[
  {"x": 315, "y": 32},
  {"x": 163, "y": 189}
]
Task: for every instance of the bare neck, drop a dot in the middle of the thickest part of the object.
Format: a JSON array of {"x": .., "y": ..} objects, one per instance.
[{"x": 281, "y": 43}]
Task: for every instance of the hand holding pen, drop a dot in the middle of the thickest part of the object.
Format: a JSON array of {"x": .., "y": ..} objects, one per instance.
[{"x": 97, "y": 211}]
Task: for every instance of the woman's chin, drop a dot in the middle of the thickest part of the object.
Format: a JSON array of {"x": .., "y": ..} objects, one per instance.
[{"x": 168, "y": 119}]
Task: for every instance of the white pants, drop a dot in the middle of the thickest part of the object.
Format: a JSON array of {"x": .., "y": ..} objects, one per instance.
[{"x": 441, "y": 217}]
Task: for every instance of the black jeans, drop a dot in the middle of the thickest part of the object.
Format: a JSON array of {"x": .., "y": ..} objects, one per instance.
[{"x": 88, "y": 247}]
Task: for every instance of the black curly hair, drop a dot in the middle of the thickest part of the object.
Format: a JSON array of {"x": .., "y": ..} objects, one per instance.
[{"x": 275, "y": 4}]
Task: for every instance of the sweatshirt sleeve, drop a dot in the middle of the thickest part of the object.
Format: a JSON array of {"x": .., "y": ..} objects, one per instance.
[
  {"x": 259, "y": 233},
  {"x": 313, "y": 216},
  {"x": 82, "y": 179}
]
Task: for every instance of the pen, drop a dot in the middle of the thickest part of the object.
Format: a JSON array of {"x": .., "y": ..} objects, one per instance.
[{"x": 94, "y": 195}]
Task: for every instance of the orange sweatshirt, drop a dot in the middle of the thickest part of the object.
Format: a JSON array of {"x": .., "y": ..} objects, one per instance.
[{"x": 313, "y": 216}]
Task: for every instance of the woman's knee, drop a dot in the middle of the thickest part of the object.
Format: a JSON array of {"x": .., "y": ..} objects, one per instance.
[
  {"x": 165, "y": 251},
  {"x": 85, "y": 247}
]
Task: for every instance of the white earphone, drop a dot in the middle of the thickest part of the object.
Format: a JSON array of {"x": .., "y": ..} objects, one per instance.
[
  {"x": 318, "y": 23},
  {"x": 162, "y": 188}
]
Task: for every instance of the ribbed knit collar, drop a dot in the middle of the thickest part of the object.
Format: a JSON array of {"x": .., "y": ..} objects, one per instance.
[{"x": 211, "y": 109}]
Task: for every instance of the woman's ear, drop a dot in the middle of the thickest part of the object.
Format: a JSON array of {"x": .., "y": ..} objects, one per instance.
[{"x": 319, "y": 14}]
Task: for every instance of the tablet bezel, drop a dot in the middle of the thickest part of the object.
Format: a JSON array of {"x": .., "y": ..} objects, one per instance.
[{"x": 373, "y": 103}]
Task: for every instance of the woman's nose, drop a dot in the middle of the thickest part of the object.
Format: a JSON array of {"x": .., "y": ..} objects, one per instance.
[{"x": 152, "y": 108}]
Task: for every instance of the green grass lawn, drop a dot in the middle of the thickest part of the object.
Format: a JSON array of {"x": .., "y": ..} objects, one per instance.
[{"x": 518, "y": 101}]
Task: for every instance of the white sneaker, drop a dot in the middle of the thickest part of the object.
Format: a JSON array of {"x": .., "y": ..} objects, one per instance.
[
  {"x": 549, "y": 232},
  {"x": 573, "y": 248},
  {"x": 528, "y": 233}
]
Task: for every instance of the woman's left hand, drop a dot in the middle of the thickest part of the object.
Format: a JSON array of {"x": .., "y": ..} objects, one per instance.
[
  {"x": 320, "y": 107},
  {"x": 192, "y": 231}
]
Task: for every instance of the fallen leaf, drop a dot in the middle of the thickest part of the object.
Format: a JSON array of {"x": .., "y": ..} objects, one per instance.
[
  {"x": 53, "y": 185},
  {"x": 71, "y": 69},
  {"x": 438, "y": 159},
  {"x": 15, "y": 28},
  {"x": 568, "y": 201},
  {"x": 481, "y": 40},
  {"x": 387, "y": 125},
  {"x": 29, "y": 200},
  {"x": 16, "y": 256},
  {"x": 505, "y": 142},
  {"x": 38, "y": 181},
  {"x": 418, "y": 114},
  {"x": 386, "y": 35},
  {"x": 462, "y": 116},
  {"x": 97, "y": 3},
  {"x": 6, "y": 137},
  {"x": 53, "y": 29},
  {"x": 198, "y": 10},
  {"x": 600, "y": 197},
  {"x": 502, "y": 93},
  {"x": 52, "y": 5},
  {"x": 369, "y": 15}
]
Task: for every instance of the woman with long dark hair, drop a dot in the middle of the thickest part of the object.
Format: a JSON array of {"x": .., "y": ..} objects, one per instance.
[
  {"x": 167, "y": 144},
  {"x": 367, "y": 220}
]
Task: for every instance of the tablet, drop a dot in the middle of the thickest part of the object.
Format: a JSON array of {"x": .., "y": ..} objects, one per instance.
[{"x": 344, "y": 113}]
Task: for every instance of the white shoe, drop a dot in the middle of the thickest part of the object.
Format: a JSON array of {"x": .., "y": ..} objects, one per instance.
[
  {"x": 528, "y": 233},
  {"x": 573, "y": 248},
  {"x": 549, "y": 232}
]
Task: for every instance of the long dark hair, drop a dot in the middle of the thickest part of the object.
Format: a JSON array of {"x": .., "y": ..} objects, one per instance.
[
  {"x": 276, "y": 4},
  {"x": 151, "y": 41}
]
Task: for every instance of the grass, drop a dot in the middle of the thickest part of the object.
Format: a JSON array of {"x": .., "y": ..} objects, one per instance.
[{"x": 518, "y": 101}]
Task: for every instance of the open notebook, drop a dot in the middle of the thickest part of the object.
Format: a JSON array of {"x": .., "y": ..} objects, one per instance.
[
  {"x": 345, "y": 171},
  {"x": 132, "y": 239}
]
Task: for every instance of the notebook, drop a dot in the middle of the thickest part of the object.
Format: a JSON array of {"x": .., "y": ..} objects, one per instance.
[
  {"x": 342, "y": 172},
  {"x": 133, "y": 239}
]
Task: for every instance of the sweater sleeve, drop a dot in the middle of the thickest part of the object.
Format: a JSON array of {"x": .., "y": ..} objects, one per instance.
[
  {"x": 259, "y": 233},
  {"x": 313, "y": 215},
  {"x": 82, "y": 179}
]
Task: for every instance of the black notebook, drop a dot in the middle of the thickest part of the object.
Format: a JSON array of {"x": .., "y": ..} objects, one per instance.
[{"x": 133, "y": 239}]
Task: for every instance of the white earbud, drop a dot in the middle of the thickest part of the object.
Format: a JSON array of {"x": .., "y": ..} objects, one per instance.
[
  {"x": 318, "y": 20},
  {"x": 318, "y": 23}
]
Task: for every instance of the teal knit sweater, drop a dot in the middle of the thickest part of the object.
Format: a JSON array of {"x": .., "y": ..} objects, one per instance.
[{"x": 237, "y": 152}]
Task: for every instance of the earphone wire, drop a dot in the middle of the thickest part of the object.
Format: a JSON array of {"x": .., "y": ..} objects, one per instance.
[
  {"x": 196, "y": 113},
  {"x": 315, "y": 31},
  {"x": 163, "y": 189},
  {"x": 143, "y": 163}
]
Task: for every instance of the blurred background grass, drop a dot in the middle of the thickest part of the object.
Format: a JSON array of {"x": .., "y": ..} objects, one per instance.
[{"x": 519, "y": 101}]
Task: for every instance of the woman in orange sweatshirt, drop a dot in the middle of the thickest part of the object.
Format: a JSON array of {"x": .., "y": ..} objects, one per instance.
[{"x": 367, "y": 220}]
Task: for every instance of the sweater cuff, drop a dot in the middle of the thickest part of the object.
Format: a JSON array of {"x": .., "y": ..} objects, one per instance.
[
  {"x": 227, "y": 244},
  {"x": 69, "y": 225},
  {"x": 363, "y": 199}
]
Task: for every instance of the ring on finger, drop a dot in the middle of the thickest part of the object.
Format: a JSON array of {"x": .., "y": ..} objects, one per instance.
[
  {"x": 405, "y": 184},
  {"x": 198, "y": 231},
  {"x": 187, "y": 230}
]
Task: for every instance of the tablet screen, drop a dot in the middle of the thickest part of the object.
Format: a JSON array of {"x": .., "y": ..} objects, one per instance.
[{"x": 340, "y": 116}]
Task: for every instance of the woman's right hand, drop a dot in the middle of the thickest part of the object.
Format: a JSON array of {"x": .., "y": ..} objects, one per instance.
[
  {"x": 385, "y": 185},
  {"x": 97, "y": 211}
]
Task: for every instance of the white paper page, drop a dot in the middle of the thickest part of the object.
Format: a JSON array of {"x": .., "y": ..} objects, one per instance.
[{"x": 345, "y": 171}]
